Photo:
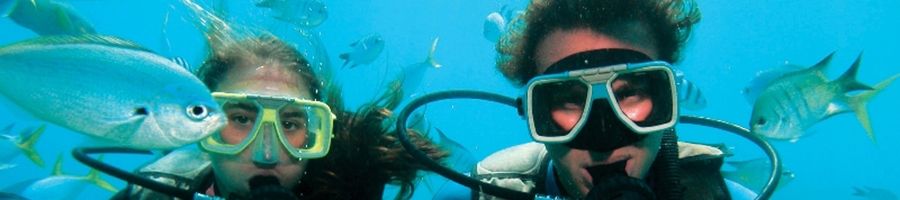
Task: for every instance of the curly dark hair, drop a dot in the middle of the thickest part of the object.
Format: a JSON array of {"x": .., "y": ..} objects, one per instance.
[
  {"x": 364, "y": 154},
  {"x": 670, "y": 22}
]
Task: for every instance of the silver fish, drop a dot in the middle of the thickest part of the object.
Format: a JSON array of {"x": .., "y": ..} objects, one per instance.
[
  {"x": 873, "y": 193},
  {"x": 303, "y": 13},
  {"x": 689, "y": 95},
  {"x": 364, "y": 51},
  {"x": 61, "y": 186},
  {"x": 108, "y": 88},
  {"x": 763, "y": 78},
  {"x": 412, "y": 75},
  {"x": 22, "y": 144},
  {"x": 796, "y": 101},
  {"x": 45, "y": 17},
  {"x": 754, "y": 173}
]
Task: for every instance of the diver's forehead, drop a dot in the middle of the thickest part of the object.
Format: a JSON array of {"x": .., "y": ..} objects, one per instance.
[
  {"x": 264, "y": 79},
  {"x": 560, "y": 44}
]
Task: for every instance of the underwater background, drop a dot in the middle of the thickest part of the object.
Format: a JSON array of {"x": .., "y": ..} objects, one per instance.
[{"x": 732, "y": 43}]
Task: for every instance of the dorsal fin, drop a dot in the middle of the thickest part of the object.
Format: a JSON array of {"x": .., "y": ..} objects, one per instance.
[
  {"x": 848, "y": 79},
  {"x": 823, "y": 64},
  {"x": 81, "y": 39}
]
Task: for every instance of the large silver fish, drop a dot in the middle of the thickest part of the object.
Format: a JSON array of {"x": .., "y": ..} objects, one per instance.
[
  {"x": 108, "y": 88},
  {"x": 794, "y": 102}
]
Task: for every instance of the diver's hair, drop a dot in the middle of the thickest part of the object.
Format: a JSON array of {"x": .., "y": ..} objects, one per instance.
[
  {"x": 264, "y": 49},
  {"x": 669, "y": 21},
  {"x": 365, "y": 155}
]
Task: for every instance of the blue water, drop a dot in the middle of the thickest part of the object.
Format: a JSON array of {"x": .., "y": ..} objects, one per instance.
[{"x": 733, "y": 41}]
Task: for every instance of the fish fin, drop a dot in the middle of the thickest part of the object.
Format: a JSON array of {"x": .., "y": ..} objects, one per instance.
[
  {"x": 57, "y": 167},
  {"x": 848, "y": 79},
  {"x": 81, "y": 39},
  {"x": 430, "y": 60},
  {"x": 346, "y": 58},
  {"x": 27, "y": 146},
  {"x": 182, "y": 62},
  {"x": 93, "y": 177},
  {"x": 859, "y": 101},
  {"x": 7, "y": 7},
  {"x": 823, "y": 64}
]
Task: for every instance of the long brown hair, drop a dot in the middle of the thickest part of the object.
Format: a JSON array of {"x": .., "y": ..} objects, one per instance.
[{"x": 364, "y": 153}]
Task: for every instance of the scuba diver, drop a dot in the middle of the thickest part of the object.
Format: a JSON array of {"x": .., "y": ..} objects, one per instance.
[
  {"x": 600, "y": 102},
  {"x": 282, "y": 139}
]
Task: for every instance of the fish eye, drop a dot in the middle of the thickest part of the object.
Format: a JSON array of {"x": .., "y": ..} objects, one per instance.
[
  {"x": 197, "y": 112},
  {"x": 761, "y": 121}
]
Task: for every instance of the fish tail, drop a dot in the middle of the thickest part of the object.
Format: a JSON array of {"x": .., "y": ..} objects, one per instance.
[
  {"x": 94, "y": 178},
  {"x": 848, "y": 79},
  {"x": 27, "y": 146},
  {"x": 858, "y": 104},
  {"x": 346, "y": 58},
  {"x": 430, "y": 60},
  {"x": 57, "y": 167},
  {"x": 7, "y": 7}
]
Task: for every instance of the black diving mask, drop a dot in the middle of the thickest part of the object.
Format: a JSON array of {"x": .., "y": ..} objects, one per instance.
[{"x": 600, "y": 100}]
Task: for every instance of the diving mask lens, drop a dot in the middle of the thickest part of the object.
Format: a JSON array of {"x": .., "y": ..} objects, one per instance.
[
  {"x": 303, "y": 127},
  {"x": 640, "y": 95}
]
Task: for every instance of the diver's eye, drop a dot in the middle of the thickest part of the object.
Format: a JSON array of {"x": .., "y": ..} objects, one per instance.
[
  {"x": 761, "y": 121},
  {"x": 197, "y": 112}
]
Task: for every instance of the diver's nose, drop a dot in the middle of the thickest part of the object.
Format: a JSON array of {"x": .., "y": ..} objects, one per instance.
[{"x": 265, "y": 151}]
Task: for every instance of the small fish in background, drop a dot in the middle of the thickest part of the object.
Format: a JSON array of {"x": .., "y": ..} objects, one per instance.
[
  {"x": 763, "y": 78},
  {"x": 873, "y": 193},
  {"x": 61, "y": 186},
  {"x": 754, "y": 173},
  {"x": 11, "y": 196},
  {"x": 364, "y": 51},
  {"x": 302, "y": 13},
  {"x": 689, "y": 95},
  {"x": 7, "y": 166},
  {"x": 22, "y": 144},
  {"x": 412, "y": 75},
  {"x": 796, "y": 101},
  {"x": 108, "y": 88},
  {"x": 497, "y": 23},
  {"x": 45, "y": 17}
]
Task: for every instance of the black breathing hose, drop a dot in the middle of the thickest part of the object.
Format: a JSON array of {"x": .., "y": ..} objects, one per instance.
[
  {"x": 774, "y": 159},
  {"x": 512, "y": 194}
]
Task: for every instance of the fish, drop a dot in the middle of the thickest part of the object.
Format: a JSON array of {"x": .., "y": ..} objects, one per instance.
[
  {"x": 412, "y": 75},
  {"x": 494, "y": 27},
  {"x": 873, "y": 193},
  {"x": 302, "y": 13},
  {"x": 796, "y": 101},
  {"x": 689, "y": 95},
  {"x": 762, "y": 79},
  {"x": 461, "y": 160},
  {"x": 498, "y": 23},
  {"x": 61, "y": 186},
  {"x": 110, "y": 89},
  {"x": 754, "y": 173},
  {"x": 11, "y": 196},
  {"x": 7, "y": 166},
  {"x": 46, "y": 17},
  {"x": 22, "y": 144},
  {"x": 364, "y": 51}
]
